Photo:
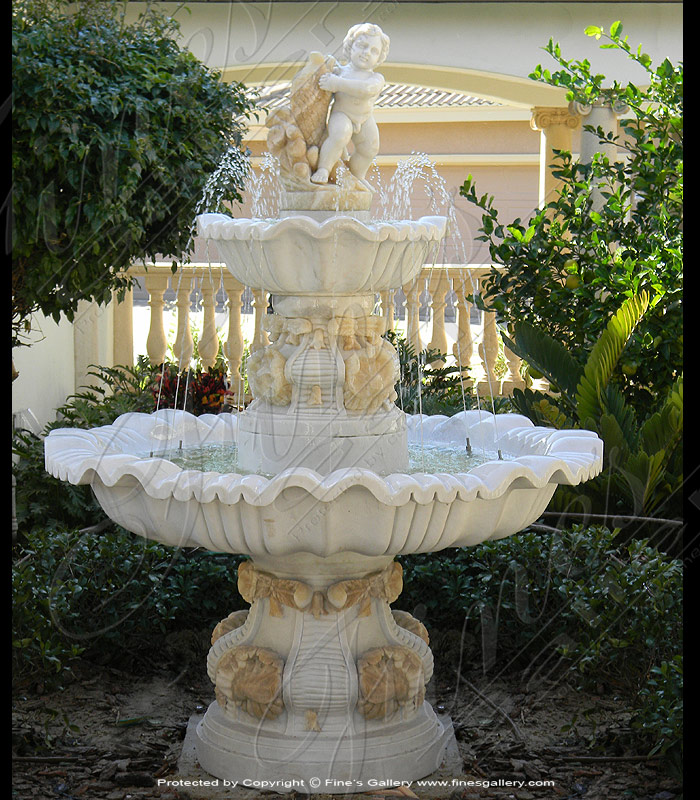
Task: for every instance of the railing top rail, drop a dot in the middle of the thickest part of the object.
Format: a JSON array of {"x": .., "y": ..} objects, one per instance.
[{"x": 162, "y": 266}]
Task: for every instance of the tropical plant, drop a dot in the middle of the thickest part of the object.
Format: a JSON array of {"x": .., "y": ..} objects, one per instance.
[
  {"x": 116, "y": 131},
  {"x": 613, "y": 230},
  {"x": 642, "y": 456}
]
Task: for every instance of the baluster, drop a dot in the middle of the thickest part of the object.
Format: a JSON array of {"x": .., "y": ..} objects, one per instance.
[
  {"x": 260, "y": 338},
  {"x": 488, "y": 351},
  {"x": 156, "y": 343},
  {"x": 413, "y": 293},
  {"x": 388, "y": 308},
  {"x": 514, "y": 379},
  {"x": 438, "y": 286},
  {"x": 233, "y": 347},
  {"x": 183, "y": 347},
  {"x": 123, "y": 330},
  {"x": 463, "y": 348},
  {"x": 209, "y": 341}
]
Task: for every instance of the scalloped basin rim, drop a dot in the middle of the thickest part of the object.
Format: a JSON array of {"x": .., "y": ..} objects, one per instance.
[
  {"x": 216, "y": 226},
  {"x": 542, "y": 456}
]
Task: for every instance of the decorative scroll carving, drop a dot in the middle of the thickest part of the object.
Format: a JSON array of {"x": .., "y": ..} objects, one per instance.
[
  {"x": 407, "y": 621},
  {"x": 254, "y": 584},
  {"x": 545, "y": 116},
  {"x": 234, "y": 620},
  {"x": 618, "y": 107},
  {"x": 251, "y": 678},
  {"x": 390, "y": 678}
]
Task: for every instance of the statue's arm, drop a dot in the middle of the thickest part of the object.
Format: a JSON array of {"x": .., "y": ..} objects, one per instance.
[{"x": 369, "y": 87}]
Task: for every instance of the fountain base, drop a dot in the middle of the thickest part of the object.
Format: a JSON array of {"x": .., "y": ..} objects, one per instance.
[
  {"x": 320, "y": 679},
  {"x": 335, "y": 762}
]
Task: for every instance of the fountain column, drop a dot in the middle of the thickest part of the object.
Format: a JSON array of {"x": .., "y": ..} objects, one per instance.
[{"x": 321, "y": 679}]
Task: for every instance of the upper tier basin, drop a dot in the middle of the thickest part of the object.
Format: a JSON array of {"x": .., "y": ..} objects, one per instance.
[
  {"x": 300, "y": 511},
  {"x": 341, "y": 255}
]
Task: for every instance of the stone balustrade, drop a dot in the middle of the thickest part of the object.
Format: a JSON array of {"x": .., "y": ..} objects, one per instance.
[{"x": 434, "y": 311}]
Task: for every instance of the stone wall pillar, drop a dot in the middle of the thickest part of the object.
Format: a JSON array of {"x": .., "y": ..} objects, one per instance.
[
  {"x": 93, "y": 340},
  {"x": 123, "y": 346},
  {"x": 556, "y": 125}
]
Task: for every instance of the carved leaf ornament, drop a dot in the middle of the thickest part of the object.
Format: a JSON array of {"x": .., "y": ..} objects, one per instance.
[
  {"x": 254, "y": 585},
  {"x": 251, "y": 678},
  {"x": 391, "y": 678}
]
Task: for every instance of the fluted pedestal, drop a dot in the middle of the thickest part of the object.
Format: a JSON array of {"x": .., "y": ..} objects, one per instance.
[{"x": 321, "y": 679}]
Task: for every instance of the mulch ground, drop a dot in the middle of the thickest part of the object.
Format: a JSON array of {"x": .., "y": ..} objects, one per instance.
[{"x": 111, "y": 735}]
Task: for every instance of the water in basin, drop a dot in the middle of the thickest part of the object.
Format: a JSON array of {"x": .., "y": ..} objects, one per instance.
[{"x": 428, "y": 458}]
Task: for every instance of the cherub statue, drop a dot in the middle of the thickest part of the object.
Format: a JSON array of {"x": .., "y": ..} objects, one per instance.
[
  {"x": 309, "y": 142},
  {"x": 355, "y": 87}
]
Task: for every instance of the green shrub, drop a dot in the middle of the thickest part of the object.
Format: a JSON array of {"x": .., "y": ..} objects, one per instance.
[
  {"x": 610, "y": 614},
  {"x": 567, "y": 269},
  {"x": 660, "y": 713},
  {"x": 112, "y": 598},
  {"x": 109, "y": 161}
]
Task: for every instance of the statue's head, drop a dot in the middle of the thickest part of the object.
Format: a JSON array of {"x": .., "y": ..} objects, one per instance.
[{"x": 366, "y": 29}]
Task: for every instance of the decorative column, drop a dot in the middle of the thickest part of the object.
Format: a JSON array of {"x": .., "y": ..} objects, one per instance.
[
  {"x": 93, "y": 340},
  {"x": 388, "y": 308},
  {"x": 233, "y": 346},
  {"x": 156, "y": 343},
  {"x": 123, "y": 344},
  {"x": 208, "y": 345},
  {"x": 183, "y": 347},
  {"x": 556, "y": 126},
  {"x": 413, "y": 292},
  {"x": 463, "y": 348},
  {"x": 439, "y": 286},
  {"x": 320, "y": 678},
  {"x": 603, "y": 116},
  {"x": 260, "y": 337},
  {"x": 488, "y": 351}
]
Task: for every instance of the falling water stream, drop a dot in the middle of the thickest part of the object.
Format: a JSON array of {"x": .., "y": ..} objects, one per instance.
[{"x": 396, "y": 203}]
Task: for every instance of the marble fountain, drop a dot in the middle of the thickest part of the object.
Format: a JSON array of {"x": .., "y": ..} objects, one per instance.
[{"x": 320, "y": 679}]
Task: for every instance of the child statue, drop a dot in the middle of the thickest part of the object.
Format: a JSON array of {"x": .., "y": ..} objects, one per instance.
[{"x": 355, "y": 87}]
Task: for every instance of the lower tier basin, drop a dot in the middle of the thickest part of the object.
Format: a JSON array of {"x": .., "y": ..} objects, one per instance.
[{"x": 320, "y": 680}]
